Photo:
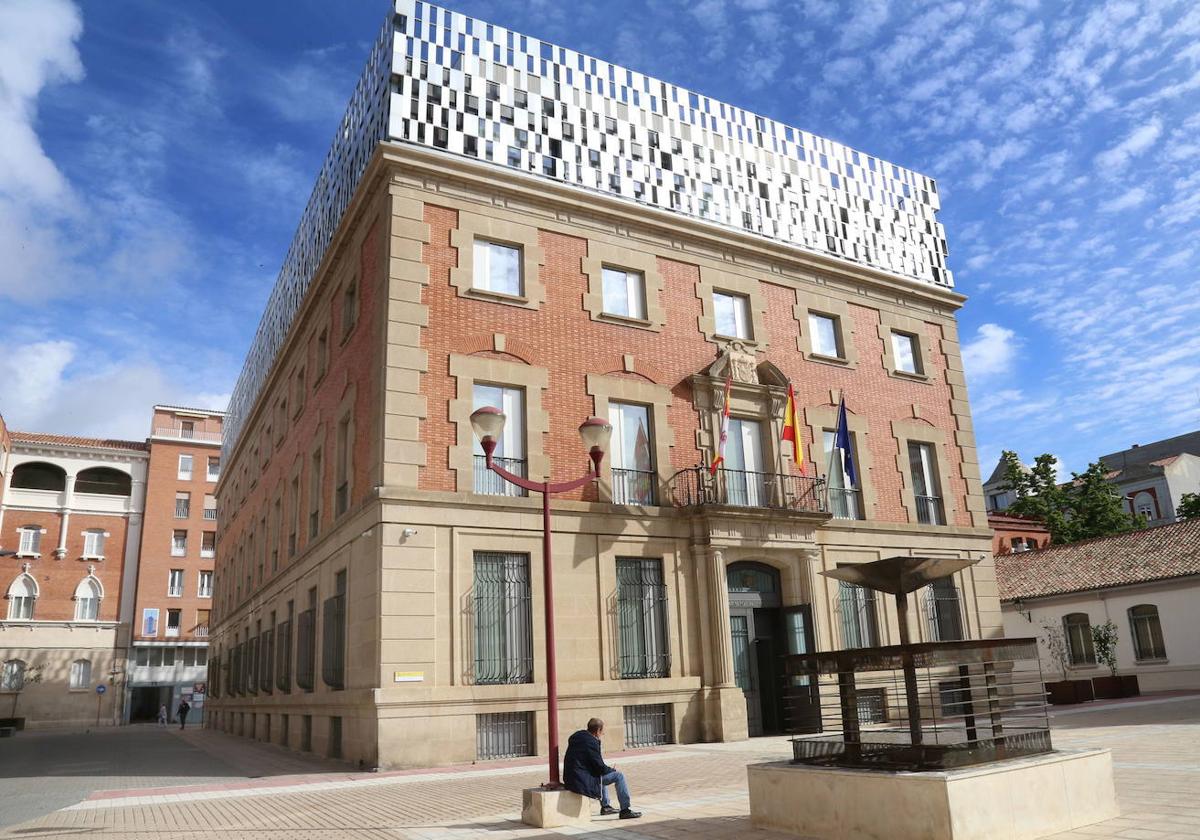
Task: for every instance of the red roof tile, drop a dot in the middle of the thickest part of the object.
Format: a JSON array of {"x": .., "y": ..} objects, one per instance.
[{"x": 73, "y": 440}]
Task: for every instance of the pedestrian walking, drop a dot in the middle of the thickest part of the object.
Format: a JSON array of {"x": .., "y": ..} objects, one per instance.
[
  {"x": 182, "y": 711},
  {"x": 162, "y": 715},
  {"x": 585, "y": 773}
]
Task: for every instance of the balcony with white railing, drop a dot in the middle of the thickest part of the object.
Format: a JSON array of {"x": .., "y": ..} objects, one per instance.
[
  {"x": 179, "y": 433},
  {"x": 183, "y": 509},
  {"x": 210, "y": 514}
]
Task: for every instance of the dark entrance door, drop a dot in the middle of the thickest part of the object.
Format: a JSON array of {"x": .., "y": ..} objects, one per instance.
[{"x": 754, "y": 609}]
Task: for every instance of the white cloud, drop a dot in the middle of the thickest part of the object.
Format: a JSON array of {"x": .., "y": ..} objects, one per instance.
[
  {"x": 1132, "y": 197},
  {"x": 991, "y": 352},
  {"x": 1138, "y": 141}
]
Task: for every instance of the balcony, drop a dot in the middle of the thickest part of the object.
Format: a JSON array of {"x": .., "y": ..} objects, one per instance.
[
  {"x": 696, "y": 486},
  {"x": 172, "y": 632},
  {"x": 489, "y": 484},
  {"x": 845, "y": 503},
  {"x": 182, "y": 509},
  {"x": 210, "y": 514},
  {"x": 178, "y": 433},
  {"x": 633, "y": 487},
  {"x": 929, "y": 510},
  {"x": 200, "y": 631}
]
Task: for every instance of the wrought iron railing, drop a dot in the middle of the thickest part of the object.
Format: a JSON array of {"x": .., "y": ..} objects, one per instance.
[
  {"x": 943, "y": 612},
  {"x": 642, "y": 644},
  {"x": 503, "y": 623},
  {"x": 845, "y": 503},
  {"x": 929, "y": 510},
  {"x": 489, "y": 483},
  {"x": 633, "y": 487},
  {"x": 696, "y": 486}
]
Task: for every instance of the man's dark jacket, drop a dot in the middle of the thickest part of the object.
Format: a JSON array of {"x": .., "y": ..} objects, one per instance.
[{"x": 583, "y": 765}]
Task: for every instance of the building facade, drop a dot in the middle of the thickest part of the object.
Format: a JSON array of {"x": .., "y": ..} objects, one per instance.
[
  {"x": 1154, "y": 477},
  {"x": 70, "y": 526},
  {"x": 168, "y": 660},
  {"x": 1014, "y": 534},
  {"x": 514, "y": 224}
]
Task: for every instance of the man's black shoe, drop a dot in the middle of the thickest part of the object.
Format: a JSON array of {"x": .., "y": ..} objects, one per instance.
[
  {"x": 607, "y": 810},
  {"x": 629, "y": 814}
]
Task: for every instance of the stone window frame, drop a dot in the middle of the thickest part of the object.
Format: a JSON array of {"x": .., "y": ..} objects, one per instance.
[
  {"x": 892, "y": 322},
  {"x": 819, "y": 418},
  {"x": 763, "y": 403},
  {"x": 610, "y": 646},
  {"x": 918, "y": 431},
  {"x": 603, "y": 254},
  {"x": 474, "y": 227},
  {"x": 604, "y": 389},
  {"x": 807, "y": 303},
  {"x": 715, "y": 280},
  {"x": 466, "y": 371}
]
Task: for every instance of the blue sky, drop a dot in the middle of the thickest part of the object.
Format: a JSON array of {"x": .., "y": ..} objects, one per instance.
[{"x": 154, "y": 159}]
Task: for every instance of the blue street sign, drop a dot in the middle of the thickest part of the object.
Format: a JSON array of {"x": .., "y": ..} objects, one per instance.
[{"x": 100, "y": 689}]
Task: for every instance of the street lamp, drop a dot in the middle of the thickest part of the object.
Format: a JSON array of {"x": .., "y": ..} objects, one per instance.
[{"x": 488, "y": 425}]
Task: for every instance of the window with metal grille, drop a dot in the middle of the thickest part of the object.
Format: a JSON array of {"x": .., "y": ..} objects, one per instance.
[
  {"x": 1147, "y": 632},
  {"x": 504, "y": 735},
  {"x": 306, "y": 649},
  {"x": 333, "y": 640},
  {"x": 252, "y": 665},
  {"x": 266, "y": 661},
  {"x": 335, "y": 737},
  {"x": 283, "y": 660},
  {"x": 648, "y": 725},
  {"x": 306, "y": 733},
  {"x": 856, "y": 606},
  {"x": 503, "y": 627},
  {"x": 943, "y": 608},
  {"x": 1078, "y": 632},
  {"x": 643, "y": 650},
  {"x": 872, "y": 705}
]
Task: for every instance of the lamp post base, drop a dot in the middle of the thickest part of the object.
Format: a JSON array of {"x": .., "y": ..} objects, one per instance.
[{"x": 544, "y": 808}]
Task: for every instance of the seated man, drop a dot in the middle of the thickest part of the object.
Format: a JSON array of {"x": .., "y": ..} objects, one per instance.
[{"x": 585, "y": 773}]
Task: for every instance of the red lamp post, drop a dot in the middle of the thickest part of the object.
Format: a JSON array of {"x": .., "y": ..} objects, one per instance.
[{"x": 488, "y": 425}]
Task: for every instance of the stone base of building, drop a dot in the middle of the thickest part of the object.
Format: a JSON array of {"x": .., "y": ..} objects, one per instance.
[
  {"x": 1006, "y": 800},
  {"x": 554, "y": 808}
]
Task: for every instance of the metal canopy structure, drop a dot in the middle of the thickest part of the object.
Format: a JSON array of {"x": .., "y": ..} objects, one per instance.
[{"x": 899, "y": 575}]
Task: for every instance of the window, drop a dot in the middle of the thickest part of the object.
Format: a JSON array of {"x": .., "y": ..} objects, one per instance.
[
  {"x": 174, "y": 619},
  {"x": 175, "y": 583},
  {"x": 150, "y": 621},
  {"x": 742, "y": 470},
  {"x": 624, "y": 292},
  {"x": 907, "y": 353},
  {"x": 283, "y": 651},
  {"x": 81, "y": 674},
  {"x": 826, "y": 338},
  {"x": 142, "y": 657},
  {"x": 306, "y": 651},
  {"x": 22, "y": 594},
  {"x": 845, "y": 499},
  {"x": 183, "y": 504},
  {"x": 944, "y": 611},
  {"x": 31, "y": 541},
  {"x": 1146, "y": 632},
  {"x": 187, "y": 429},
  {"x": 93, "y": 544},
  {"x": 341, "y": 491},
  {"x": 295, "y": 523},
  {"x": 333, "y": 640},
  {"x": 732, "y": 315},
  {"x": 39, "y": 476},
  {"x": 498, "y": 268},
  {"x": 208, "y": 543},
  {"x": 214, "y": 467},
  {"x": 503, "y": 628},
  {"x": 642, "y": 619},
  {"x": 322, "y": 360},
  {"x": 860, "y": 626},
  {"x": 632, "y": 454},
  {"x": 510, "y": 449},
  {"x": 185, "y": 467},
  {"x": 178, "y": 543},
  {"x": 13, "y": 676},
  {"x": 926, "y": 492},
  {"x": 647, "y": 725},
  {"x": 1143, "y": 505},
  {"x": 349, "y": 308},
  {"x": 201, "y": 628},
  {"x": 103, "y": 481},
  {"x": 266, "y": 659},
  {"x": 503, "y": 735},
  {"x": 314, "y": 495},
  {"x": 1078, "y": 632},
  {"x": 205, "y": 587},
  {"x": 87, "y": 599}
]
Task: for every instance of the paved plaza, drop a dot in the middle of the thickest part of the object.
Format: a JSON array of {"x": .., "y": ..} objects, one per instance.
[{"x": 144, "y": 782}]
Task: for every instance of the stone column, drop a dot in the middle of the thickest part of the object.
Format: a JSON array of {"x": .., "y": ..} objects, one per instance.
[
  {"x": 68, "y": 501},
  {"x": 718, "y": 604}
]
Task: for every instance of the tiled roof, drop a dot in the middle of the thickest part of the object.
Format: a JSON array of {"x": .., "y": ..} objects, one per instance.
[
  {"x": 73, "y": 440},
  {"x": 995, "y": 519},
  {"x": 1168, "y": 551}
]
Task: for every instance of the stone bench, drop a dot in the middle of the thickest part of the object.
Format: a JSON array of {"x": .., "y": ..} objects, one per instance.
[{"x": 554, "y": 808}]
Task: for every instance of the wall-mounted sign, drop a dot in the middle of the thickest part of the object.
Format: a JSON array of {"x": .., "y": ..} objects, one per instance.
[{"x": 409, "y": 676}]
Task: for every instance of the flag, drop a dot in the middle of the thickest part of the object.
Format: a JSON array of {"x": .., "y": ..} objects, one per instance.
[
  {"x": 724, "y": 429},
  {"x": 791, "y": 429},
  {"x": 841, "y": 440},
  {"x": 641, "y": 461}
]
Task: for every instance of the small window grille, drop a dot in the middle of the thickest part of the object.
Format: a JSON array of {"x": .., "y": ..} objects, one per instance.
[
  {"x": 504, "y": 735},
  {"x": 872, "y": 705},
  {"x": 647, "y": 725}
]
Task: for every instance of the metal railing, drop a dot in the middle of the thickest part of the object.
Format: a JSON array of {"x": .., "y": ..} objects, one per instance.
[
  {"x": 633, "y": 487},
  {"x": 210, "y": 514},
  {"x": 929, "y": 510},
  {"x": 183, "y": 509},
  {"x": 187, "y": 434},
  {"x": 642, "y": 646},
  {"x": 200, "y": 631},
  {"x": 696, "y": 486},
  {"x": 503, "y": 631},
  {"x": 845, "y": 503},
  {"x": 647, "y": 725},
  {"x": 489, "y": 483}
]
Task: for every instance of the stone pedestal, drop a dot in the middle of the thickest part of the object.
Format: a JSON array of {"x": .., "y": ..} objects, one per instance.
[
  {"x": 1019, "y": 799},
  {"x": 554, "y": 808}
]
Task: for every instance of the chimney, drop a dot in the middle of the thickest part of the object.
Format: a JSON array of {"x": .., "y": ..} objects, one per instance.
[{"x": 1135, "y": 446}]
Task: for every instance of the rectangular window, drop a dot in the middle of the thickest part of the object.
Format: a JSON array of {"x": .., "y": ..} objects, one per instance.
[
  {"x": 150, "y": 621},
  {"x": 349, "y": 307},
  {"x": 510, "y": 449},
  {"x": 208, "y": 544},
  {"x": 732, "y": 315},
  {"x": 81, "y": 674},
  {"x": 283, "y": 652},
  {"x": 178, "y": 543},
  {"x": 944, "y": 610},
  {"x": 189, "y": 657},
  {"x": 1147, "y": 633},
  {"x": 142, "y": 657},
  {"x": 498, "y": 268},
  {"x": 826, "y": 339},
  {"x": 906, "y": 352},
  {"x": 926, "y": 489},
  {"x": 503, "y": 735},
  {"x": 647, "y": 725},
  {"x": 175, "y": 583},
  {"x": 205, "y": 588},
  {"x": 624, "y": 292},
  {"x": 93, "y": 544},
  {"x": 341, "y": 491},
  {"x": 322, "y": 360},
  {"x": 503, "y": 625},
  {"x": 185, "y": 468},
  {"x": 633, "y": 476},
  {"x": 187, "y": 429},
  {"x": 333, "y": 638},
  {"x": 860, "y": 626},
  {"x": 746, "y": 484},
  {"x": 31, "y": 540},
  {"x": 183, "y": 504},
  {"x": 294, "y": 527},
  {"x": 266, "y": 658},
  {"x": 306, "y": 649},
  {"x": 314, "y": 495},
  {"x": 214, "y": 467},
  {"x": 845, "y": 500},
  {"x": 643, "y": 650},
  {"x": 1078, "y": 631},
  {"x": 210, "y": 507}
]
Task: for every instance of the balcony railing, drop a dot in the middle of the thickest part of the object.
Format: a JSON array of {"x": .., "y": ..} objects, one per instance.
[
  {"x": 200, "y": 631},
  {"x": 696, "y": 486},
  {"x": 182, "y": 509},
  {"x": 633, "y": 487},
  {"x": 172, "y": 632},
  {"x": 489, "y": 483},
  {"x": 210, "y": 514},
  {"x": 845, "y": 503},
  {"x": 188, "y": 434},
  {"x": 929, "y": 510}
]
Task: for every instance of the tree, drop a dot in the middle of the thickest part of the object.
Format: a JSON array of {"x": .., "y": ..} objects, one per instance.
[
  {"x": 1189, "y": 506},
  {"x": 1056, "y": 644},
  {"x": 1104, "y": 640},
  {"x": 1087, "y": 506}
]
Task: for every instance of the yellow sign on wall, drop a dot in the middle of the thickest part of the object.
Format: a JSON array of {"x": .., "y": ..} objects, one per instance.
[{"x": 410, "y": 676}]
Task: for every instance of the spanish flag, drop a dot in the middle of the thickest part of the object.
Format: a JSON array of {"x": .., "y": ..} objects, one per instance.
[
  {"x": 724, "y": 429},
  {"x": 791, "y": 429}
]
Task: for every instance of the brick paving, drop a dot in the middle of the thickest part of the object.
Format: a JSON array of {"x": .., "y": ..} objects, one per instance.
[{"x": 696, "y": 790}]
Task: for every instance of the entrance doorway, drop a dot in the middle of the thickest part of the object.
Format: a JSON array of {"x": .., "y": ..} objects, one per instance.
[
  {"x": 762, "y": 632},
  {"x": 146, "y": 700}
]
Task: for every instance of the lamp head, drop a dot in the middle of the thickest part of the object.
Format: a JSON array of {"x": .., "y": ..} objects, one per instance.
[
  {"x": 596, "y": 433},
  {"x": 488, "y": 425}
]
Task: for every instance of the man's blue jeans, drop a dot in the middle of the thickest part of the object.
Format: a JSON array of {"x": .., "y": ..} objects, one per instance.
[{"x": 617, "y": 778}]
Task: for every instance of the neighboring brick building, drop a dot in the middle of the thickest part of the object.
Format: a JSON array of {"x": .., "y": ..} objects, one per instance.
[
  {"x": 169, "y": 658},
  {"x": 379, "y": 594},
  {"x": 70, "y": 524},
  {"x": 1014, "y": 534}
]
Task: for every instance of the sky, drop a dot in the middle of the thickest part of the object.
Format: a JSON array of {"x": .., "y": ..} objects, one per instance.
[{"x": 155, "y": 158}]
